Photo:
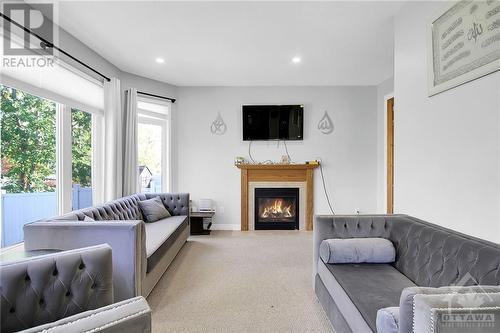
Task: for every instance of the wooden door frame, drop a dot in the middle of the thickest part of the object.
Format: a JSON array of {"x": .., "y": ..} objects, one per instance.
[
  {"x": 383, "y": 160},
  {"x": 389, "y": 147}
]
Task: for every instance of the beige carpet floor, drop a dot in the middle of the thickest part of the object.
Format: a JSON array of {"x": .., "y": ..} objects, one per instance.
[{"x": 232, "y": 281}]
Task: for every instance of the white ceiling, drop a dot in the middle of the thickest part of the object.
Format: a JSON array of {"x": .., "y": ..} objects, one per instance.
[{"x": 240, "y": 43}]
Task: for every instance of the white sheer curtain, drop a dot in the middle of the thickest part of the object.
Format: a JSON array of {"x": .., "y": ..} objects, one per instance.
[
  {"x": 130, "y": 162},
  {"x": 109, "y": 186},
  {"x": 97, "y": 159}
]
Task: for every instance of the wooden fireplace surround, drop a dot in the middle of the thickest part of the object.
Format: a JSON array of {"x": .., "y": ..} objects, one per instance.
[{"x": 277, "y": 173}]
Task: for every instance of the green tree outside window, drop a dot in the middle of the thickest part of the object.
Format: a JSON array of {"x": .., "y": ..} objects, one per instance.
[{"x": 28, "y": 143}]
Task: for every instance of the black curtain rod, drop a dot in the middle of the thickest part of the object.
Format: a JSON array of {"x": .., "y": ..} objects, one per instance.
[
  {"x": 46, "y": 44},
  {"x": 157, "y": 96}
]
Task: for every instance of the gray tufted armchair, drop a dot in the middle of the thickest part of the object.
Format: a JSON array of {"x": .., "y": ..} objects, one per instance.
[{"x": 70, "y": 291}]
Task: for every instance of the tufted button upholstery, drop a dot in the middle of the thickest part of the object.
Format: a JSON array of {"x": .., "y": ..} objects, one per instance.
[
  {"x": 127, "y": 208},
  {"x": 32, "y": 294},
  {"x": 429, "y": 255},
  {"x": 177, "y": 204}
]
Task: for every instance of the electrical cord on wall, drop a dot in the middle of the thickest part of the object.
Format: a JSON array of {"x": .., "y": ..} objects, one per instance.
[
  {"x": 251, "y": 158},
  {"x": 324, "y": 187},
  {"x": 267, "y": 161},
  {"x": 286, "y": 150},
  {"x": 250, "y": 151}
]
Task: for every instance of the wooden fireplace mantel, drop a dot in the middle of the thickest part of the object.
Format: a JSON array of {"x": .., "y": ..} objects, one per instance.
[{"x": 276, "y": 173}]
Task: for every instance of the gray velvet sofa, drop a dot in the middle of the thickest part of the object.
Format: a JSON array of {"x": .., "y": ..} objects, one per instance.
[
  {"x": 142, "y": 251},
  {"x": 426, "y": 256},
  {"x": 69, "y": 291}
]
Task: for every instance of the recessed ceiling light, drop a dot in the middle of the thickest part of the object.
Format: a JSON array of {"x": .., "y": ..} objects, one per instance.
[
  {"x": 296, "y": 60},
  {"x": 160, "y": 60}
]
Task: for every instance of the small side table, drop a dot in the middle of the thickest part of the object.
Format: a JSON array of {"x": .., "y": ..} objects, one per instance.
[{"x": 196, "y": 220}]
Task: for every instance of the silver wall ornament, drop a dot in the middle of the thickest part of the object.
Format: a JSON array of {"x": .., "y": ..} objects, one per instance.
[
  {"x": 218, "y": 126},
  {"x": 325, "y": 125}
]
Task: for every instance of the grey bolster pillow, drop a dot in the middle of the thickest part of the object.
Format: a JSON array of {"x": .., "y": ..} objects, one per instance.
[
  {"x": 357, "y": 250},
  {"x": 388, "y": 320}
]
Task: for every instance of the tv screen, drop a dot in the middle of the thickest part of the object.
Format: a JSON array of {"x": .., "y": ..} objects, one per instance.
[{"x": 273, "y": 122}]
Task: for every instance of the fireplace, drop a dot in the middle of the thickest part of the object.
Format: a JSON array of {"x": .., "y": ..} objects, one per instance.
[{"x": 276, "y": 209}]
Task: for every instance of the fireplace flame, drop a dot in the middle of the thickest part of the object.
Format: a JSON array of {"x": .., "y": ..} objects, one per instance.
[{"x": 277, "y": 210}]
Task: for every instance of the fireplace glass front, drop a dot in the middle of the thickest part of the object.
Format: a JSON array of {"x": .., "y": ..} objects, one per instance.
[{"x": 276, "y": 208}]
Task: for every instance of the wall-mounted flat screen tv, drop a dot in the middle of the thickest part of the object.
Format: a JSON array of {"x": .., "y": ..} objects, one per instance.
[{"x": 273, "y": 122}]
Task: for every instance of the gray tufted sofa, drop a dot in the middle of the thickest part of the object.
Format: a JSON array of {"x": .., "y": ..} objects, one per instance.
[
  {"x": 141, "y": 251},
  {"x": 70, "y": 291},
  {"x": 426, "y": 256}
]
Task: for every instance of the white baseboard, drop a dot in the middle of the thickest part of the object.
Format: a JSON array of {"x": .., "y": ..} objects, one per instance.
[{"x": 224, "y": 226}]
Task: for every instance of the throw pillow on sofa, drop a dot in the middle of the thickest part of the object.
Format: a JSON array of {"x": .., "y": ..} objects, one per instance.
[
  {"x": 153, "y": 210},
  {"x": 357, "y": 250}
]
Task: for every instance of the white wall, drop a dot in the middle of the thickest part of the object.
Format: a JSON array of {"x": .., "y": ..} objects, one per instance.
[
  {"x": 447, "y": 147},
  {"x": 384, "y": 90},
  {"x": 206, "y": 162},
  {"x": 82, "y": 52}
]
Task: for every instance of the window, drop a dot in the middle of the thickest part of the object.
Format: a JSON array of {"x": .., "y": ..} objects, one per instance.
[
  {"x": 49, "y": 144},
  {"x": 36, "y": 149},
  {"x": 81, "y": 159},
  {"x": 28, "y": 158},
  {"x": 153, "y": 145}
]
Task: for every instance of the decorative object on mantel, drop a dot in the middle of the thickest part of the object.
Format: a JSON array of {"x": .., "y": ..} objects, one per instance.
[
  {"x": 239, "y": 160},
  {"x": 218, "y": 126},
  {"x": 465, "y": 44},
  {"x": 325, "y": 125},
  {"x": 285, "y": 159}
]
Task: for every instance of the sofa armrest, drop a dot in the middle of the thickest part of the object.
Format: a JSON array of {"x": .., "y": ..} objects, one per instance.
[
  {"x": 128, "y": 316},
  {"x": 126, "y": 238},
  {"x": 425, "y": 309},
  {"x": 45, "y": 288},
  {"x": 458, "y": 313}
]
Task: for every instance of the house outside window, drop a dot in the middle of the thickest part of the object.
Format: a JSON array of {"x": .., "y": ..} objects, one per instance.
[{"x": 153, "y": 145}]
